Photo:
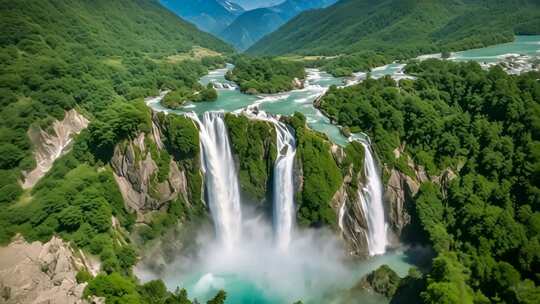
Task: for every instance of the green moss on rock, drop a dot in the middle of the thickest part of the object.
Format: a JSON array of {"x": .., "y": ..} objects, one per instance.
[
  {"x": 321, "y": 174},
  {"x": 254, "y": 143}
]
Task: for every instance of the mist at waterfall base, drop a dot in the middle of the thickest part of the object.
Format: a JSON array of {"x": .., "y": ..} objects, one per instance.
[
  {"x": 315, "y": 269},
  {"x": 257, "y": 271},
  {"x": 254, "y": 258}
]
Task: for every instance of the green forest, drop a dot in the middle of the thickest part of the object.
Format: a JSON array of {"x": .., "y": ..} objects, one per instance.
[
  {"x": 75, "y": 59},
  {"x": 255, "y": 75},
  {"x": 485, "y": 125},
  {"x": 361, "y": 33},
  {"x": 60, "y": 55},
  {"x": 104, "y": 58}
]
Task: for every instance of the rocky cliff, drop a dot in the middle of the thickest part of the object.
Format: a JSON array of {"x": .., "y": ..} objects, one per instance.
[
  {"x": 401, "y": 189},
  {"x": 48, "y": 146},
  {"x": 40, "y": 273},
  {"x": 351, "y": 218},
  {"x": 137, "y": 166},
  {"x": 346, "y": 201}
]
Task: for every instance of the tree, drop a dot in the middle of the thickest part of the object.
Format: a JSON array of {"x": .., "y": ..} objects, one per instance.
[
  {"x": 220, "y": 298},
  {"x": 178, "y": 297},
  {"x": 71, "y": 218}
]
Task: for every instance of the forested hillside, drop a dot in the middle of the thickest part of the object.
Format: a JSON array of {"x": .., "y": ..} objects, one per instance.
[
  {"x": 485, "y": 126},
  {"x": 57, "y": 55},
  {"x": 401, "y": 29},
  {"x": 100, "y": 58}
]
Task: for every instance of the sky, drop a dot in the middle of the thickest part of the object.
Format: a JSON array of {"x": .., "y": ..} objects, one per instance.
[{"x": 251, "y": 4}]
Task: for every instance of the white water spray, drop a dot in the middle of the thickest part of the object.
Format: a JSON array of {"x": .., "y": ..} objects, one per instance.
[
  {"x": 283, "y": 179},
  {"x": 221, "y": 178},
  {"x": 341, "y": 215},
  {"x": 284, "y": 185},
  {"x": 371, "y": 198}
]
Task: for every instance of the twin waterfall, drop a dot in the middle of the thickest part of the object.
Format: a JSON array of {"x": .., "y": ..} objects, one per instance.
[
  {"x": 221, "y": 180},
  {"x": 223, "y": 190}
]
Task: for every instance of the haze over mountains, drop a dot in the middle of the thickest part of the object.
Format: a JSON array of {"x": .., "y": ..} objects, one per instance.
[
  {"x": 252, "y": 25},
  {"x": 253, "y": 4},
  {"x": 236, "y": 25},
  {"x": 209, "y": 15}
]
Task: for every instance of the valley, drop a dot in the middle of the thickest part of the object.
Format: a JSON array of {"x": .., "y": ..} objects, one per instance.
[
  {"x": 273, "y": 152},
  {"x": 234, "y": 272}
]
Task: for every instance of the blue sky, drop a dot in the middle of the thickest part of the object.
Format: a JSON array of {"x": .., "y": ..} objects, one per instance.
[{"x": 251, "y": 4}]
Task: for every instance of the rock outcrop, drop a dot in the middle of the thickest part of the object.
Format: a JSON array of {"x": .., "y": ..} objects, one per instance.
[
  {"x": 401, "y": 189},
  {"x": 297, "y": 83},
  {"x": 352, "y": 220},
  {"x": 48, "y": 146},
  {"x": 135, "y": 172},
  {"x": 383, "y": 280},
  {"x": 40, "y": 273}
]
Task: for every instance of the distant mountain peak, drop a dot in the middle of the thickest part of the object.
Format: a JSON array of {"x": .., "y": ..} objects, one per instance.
[
  {"x": 252, "y": 25},
  {"x": 231, "y": 7},
  {"x": 209, "y": 15}
]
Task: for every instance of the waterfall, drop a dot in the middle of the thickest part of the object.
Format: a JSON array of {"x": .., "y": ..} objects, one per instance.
[
  {"x": 283, "y": 179},
  {"x": 341, "y": 215},
  {"x": 372, "y": 204},
  {"x": 283, "y": 193},
  {"x": 221, "y": 178}
]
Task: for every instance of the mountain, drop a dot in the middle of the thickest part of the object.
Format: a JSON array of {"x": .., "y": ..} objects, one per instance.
[
  {"x": 209, "y": 15},
  {"x": 253, "y": 4},
  {"x": 252, "y": 25},
  {"x": 232, "y": 7},
  {"x": 402, "y": 26}
]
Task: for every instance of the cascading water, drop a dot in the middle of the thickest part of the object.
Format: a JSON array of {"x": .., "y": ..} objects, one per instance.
[
  {"x": 283, "y": 182},
  {"x": 284, "y": 185},
  {"x": 372, "y": 204},
  {"x": 221, "y": 178},
  {"x": 341, "y": 215}
]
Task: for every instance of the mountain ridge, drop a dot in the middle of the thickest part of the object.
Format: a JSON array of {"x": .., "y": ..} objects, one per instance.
[
  {"x": 252, "y": 25},
  {"x": 211, "y": 16},
  {"x": 409, "y": 26}
]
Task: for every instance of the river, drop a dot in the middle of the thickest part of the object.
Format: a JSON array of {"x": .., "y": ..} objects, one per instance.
[{"x": 268, "y": 277}]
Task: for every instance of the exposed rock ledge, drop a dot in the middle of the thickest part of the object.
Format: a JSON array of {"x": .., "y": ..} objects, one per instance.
[
  {"x": 49, "y": 146},
  {"x": 297, "y": 83},
  {"x": 134, "y": 171},
  {"x": 401, "y": 189},
  {"x": 346, "y": 202},
  {"x": 40, "y": 273}
]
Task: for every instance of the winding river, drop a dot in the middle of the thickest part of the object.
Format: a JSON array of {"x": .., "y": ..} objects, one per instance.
[{"x": 269, "y": 277}]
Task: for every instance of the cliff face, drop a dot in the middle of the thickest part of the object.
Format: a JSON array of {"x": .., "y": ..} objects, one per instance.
[
  {"x": 352, "y": 220},
  {"x": 136, "y": 172},
  {"x": 40, "y": 273},
  {"x": 401, "y": 189},
  {"x": 49, "y": 146}
]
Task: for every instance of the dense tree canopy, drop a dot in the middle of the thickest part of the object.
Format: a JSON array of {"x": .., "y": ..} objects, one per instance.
[
  {"x": 265, "y": 75},
  {"x": 322, "y": 176},
  {"x": 483, "y": 124},
  {"x": 253, "y": 142},
  {"x": 59, "y": 55},
  {"x": 355, "y": 34}
]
